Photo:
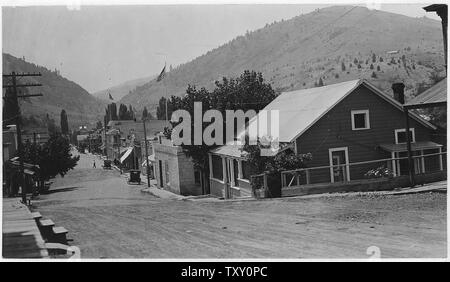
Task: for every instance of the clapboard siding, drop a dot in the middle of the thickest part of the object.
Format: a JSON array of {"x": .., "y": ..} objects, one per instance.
[{"x": 335, "y": 130}]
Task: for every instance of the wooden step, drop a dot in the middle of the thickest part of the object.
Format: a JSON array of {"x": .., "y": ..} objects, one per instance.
[
  {"x": 46, "y": 228},
  {"x": 60, "y": 230},
  {"x": 36, "y": 215},
  {"x": 46, "y": 222},
  {"x": 59, "y": 235}
]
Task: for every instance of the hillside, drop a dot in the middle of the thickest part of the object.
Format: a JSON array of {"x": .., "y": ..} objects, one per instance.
[
  {"x": 59, "y": 93},
  {"x": 297, "y": 53},
  {"x": 119, "y": 91}
]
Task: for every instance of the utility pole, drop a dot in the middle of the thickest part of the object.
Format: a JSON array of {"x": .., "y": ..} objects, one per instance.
[
  {"x": 106, "y": 142},
  {"x": 146, "y": 153},
  {"x": 18, "y": 119}
]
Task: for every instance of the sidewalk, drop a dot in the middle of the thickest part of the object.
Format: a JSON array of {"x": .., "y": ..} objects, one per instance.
[
  {"x": 21, "y": 236},
  {"x": 163, "y": 194},
  {"x": 439, "y": 187}
]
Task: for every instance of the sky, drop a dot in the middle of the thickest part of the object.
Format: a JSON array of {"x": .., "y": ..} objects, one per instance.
[{"x": 102, "y": 46}]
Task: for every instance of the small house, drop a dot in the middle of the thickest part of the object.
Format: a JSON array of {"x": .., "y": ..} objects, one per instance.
[{"x": 349, "y": 128}]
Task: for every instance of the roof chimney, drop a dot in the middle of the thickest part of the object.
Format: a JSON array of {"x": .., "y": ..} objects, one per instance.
[{"x": 399, "y": 92}]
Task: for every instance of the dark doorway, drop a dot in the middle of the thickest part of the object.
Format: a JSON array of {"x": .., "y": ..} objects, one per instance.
[{"x": 161, "y": 182}]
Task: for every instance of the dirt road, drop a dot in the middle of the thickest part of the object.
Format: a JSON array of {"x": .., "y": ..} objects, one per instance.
[{"x": 107, "y": 218}]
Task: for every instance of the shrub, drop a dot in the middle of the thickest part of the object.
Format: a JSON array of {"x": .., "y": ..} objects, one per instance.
[{"x": 379, "y": 172}]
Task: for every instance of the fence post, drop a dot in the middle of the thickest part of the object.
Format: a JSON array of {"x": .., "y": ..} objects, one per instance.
[
  {"x": 344, "y": 173},
  {"x": 307, "y": 177},
  {"x": 265, "y": 181}
]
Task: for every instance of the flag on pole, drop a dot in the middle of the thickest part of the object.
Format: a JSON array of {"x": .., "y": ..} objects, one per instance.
[
  {"x": 162, "y": 74},
  {"x": 110, "y": 97}
]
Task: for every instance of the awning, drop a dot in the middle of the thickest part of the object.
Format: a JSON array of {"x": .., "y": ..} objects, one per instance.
[
  {"x": 416, "y": 146},
  {"x": 151, "y": 158},
  {"x": 29, "y": 172},
  {"x": 126, "y": 154}
]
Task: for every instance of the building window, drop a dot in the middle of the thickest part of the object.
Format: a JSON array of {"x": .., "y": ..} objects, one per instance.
[
  {"x": 246, "y": 170},
  {"x": 197, "y": 177},
  {"x": 400, "y": 136},
  {"x": 360, "y": 120},
  {"x": 217, "y": 167},
  {"x": 166, "y": 170}
]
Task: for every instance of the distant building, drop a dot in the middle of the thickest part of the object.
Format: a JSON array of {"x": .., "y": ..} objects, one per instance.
[
  {"x": 125, "y": 140},
  {"x": 39, "y": 135},
  {"x": 9, "y": 142},
  {"x": 174, "y": 171}
]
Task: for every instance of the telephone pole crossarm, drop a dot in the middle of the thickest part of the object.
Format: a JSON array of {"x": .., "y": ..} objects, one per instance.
[{"x": 18, "y": 121}]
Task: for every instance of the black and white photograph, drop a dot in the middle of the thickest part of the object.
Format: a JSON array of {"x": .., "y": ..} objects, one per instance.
[{"x": 234, "y": 131}]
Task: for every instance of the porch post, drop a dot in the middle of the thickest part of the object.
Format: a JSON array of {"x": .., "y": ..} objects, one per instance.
[
  {"x": 394, "y": 167},
  {"x": 239, "y": 169},
  {"x": 408, "y": 146},
  {"x": 224, "y": 176},
  {"x": 422, "y": 161},
  {"x": 231, "y": 163},
  {"x": 210, "y": 165},
  {"x": 441, "y": 166}
]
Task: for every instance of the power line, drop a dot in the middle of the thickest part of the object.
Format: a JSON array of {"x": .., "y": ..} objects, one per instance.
[{"x": 13, "y": 97}]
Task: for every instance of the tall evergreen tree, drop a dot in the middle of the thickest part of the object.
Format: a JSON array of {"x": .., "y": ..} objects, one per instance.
[
  {"x": 145, "y": 113},
  {"x": 64, "y": 123},
  {"x": 123, "y": 112},
  {"x": 320, "y": 82},
  {"x": 161, "y": 110}
]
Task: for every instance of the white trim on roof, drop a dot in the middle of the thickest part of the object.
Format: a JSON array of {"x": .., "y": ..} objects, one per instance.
[
  {"x": 325, "y": 112},
  {"x": 376, "y": 91},
  {"x": 398, "y": 105}
]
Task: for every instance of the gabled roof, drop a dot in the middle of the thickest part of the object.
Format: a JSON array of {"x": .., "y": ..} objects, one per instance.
[
  {"x": 301, "y": 109},
  {"x": 436, "y": 95}
]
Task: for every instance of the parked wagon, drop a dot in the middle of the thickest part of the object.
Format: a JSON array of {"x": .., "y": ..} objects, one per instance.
[
  {"x": 135, "y": 177},
  {"x": 107, "y": 164}
]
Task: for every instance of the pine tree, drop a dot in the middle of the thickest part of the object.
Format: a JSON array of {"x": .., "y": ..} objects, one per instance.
[
  {"x": 144, "y": 113},
  {"x": 161, "y": 109},
  {"x": 130, "y": 113},
  {"x": 374, "y": 58},
  {"x": 64, "y": 123},
  {"x": 320, "y": 82},
  {"x": 123, "y": 112}
]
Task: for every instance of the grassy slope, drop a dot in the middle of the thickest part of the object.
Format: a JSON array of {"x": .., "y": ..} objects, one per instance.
[{"x": 59, "y": 93}]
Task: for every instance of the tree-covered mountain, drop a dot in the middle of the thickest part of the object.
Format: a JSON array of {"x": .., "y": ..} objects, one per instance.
[
  {"x": 326, "y": 46},
  {"x": 58, "y": 93}
]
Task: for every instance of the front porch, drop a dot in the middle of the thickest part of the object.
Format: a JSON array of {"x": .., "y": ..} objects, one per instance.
[
  {"x": 387, "y": 174},
  {"x": 427, "y": 157}
]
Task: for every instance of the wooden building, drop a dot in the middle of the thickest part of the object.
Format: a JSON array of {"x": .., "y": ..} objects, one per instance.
[{"x": 338, "y": 124}]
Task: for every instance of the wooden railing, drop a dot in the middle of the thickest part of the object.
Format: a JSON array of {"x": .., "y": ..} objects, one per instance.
[
  {"x": 291, "y": 177},
  {"x": 258, "y": 184}
]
